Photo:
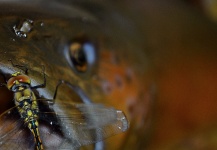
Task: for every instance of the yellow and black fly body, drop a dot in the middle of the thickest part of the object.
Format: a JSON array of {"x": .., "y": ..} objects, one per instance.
[{"x": 54, "y": 124}]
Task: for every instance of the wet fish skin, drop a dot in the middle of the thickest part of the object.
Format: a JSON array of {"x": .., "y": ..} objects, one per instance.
[
  {"x": 179, "y": 43},
  {"x": 54, "y": 27}
]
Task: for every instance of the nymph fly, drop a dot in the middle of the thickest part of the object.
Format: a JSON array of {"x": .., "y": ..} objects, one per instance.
[{"x": 54, "y": 123}]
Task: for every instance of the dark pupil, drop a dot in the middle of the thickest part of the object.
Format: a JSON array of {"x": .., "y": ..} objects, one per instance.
[{"x": 79, "y": 58}]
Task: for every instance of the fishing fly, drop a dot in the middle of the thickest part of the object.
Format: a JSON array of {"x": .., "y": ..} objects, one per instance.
[{"x": 37, "y": 123}]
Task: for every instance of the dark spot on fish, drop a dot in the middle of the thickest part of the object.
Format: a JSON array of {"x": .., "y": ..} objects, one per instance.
[
  {"x": 129, "y": 75},
  {"x": 107, "y": 87},
  {"x": 118, "y": 81},
  {"x": 115, "y": 59},
  {"x": 131, "y": 108}
]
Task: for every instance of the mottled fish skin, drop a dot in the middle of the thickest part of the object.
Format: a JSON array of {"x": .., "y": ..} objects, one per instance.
[
  {"x": 145, "y": 50},
  {"x": 180, "y": 40},
  {"x": 49, "y": 30}
]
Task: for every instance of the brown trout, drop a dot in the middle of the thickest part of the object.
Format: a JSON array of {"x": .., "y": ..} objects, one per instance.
[
  {"x": 154, "y": 60},
  {"x": 67, "y": 42}
]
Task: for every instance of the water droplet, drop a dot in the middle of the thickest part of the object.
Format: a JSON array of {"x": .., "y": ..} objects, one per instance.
[
  {"x": 42, "y": 24},
  {"x": 23, "y": 28},
  {"x": 129, "y": 74},
  {"x": 51, "y": 122}
]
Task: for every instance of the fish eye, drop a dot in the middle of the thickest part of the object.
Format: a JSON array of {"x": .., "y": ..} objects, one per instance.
[{"x": 81, "y": 56}]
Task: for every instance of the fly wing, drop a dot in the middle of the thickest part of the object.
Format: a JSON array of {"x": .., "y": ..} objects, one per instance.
[
  {"x": 83, "y": 124},
  {"x": 13, "y": 133}
]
